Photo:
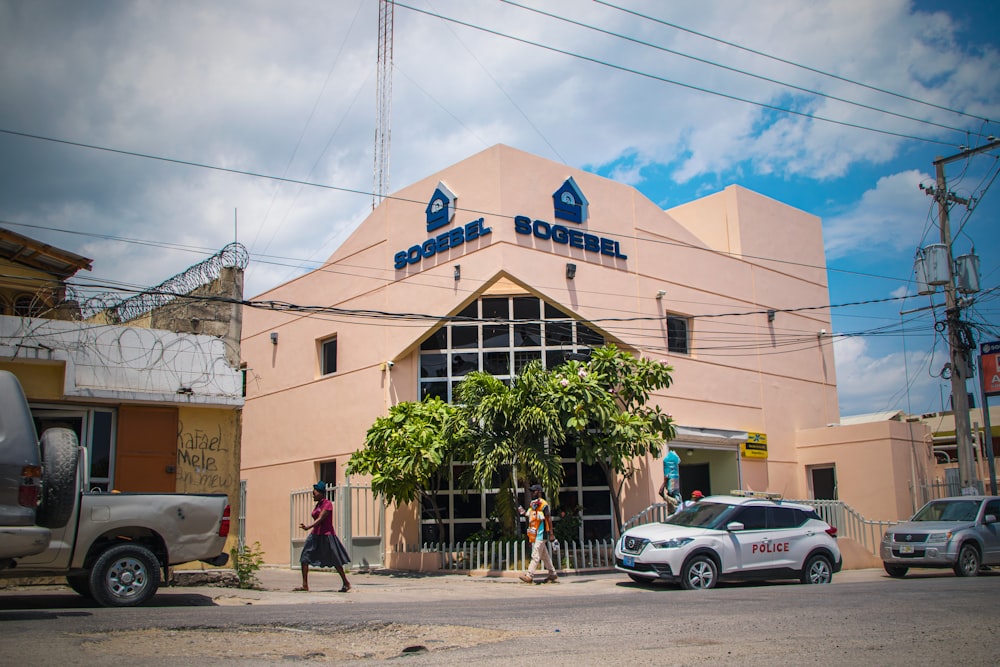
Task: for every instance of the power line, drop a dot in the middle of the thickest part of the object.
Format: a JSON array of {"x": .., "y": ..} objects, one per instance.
[
  {"x": 789, "y": 62},
  {"x": 733, "y": 69},
  {"x": 689, "y": 86}
]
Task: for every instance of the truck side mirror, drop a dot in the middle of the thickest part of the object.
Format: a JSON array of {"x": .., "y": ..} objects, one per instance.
[{"x": 990, "y": 518}]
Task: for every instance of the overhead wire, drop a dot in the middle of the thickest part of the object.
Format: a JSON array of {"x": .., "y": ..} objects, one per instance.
[
  {"x": 622, "y": 68},
  {"x": 790, "y": 62},
  {"x": 736, "y": 70}
]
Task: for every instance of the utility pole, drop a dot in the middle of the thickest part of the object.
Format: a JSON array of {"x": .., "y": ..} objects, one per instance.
[{"x": 960, "y": 362}]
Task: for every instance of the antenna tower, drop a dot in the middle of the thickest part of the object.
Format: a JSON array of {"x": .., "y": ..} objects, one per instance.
[{"x": 383, "y": 102}]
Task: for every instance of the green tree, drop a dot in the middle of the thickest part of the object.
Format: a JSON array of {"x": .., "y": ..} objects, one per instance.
[
  {"x": 620, "y": 427},
  {"x": 515, "y": 433},
  {"x": 407, "y": 453}
]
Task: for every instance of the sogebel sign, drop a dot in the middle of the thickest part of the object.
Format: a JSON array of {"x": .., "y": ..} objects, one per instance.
[{"x": 569, "y": 204}]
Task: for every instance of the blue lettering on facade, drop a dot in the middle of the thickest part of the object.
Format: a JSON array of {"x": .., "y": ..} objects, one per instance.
[
  {"x": 565, "y": 236},
  {"x": 449, "y": 239}
]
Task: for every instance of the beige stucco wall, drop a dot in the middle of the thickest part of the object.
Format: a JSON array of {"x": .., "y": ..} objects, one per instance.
[
  {"x": 294, "y": 418},
  {"x": 876, "y": 464}
]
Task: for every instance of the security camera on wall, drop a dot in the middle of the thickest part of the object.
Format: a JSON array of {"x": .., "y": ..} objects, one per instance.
[{"x": 390, "y": 364}]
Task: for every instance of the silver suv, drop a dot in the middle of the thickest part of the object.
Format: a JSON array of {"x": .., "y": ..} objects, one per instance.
[
  {"x": 961, "y": 533},
  {"x": 732, "y": 537}
]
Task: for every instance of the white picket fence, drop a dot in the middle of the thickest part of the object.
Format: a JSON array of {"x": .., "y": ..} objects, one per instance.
[{"x": 516, "y": 555}]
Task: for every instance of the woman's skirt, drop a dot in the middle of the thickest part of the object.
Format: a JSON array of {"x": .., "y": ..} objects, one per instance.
[{"x": 324, "y": 551}]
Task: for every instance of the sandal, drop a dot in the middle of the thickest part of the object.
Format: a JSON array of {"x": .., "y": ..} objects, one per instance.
[
  {"x": 344, "y": 589},
  {"x": 300, "y": 589}
]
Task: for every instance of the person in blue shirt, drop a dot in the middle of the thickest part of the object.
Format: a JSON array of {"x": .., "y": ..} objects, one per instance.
[{"x": 671, "y": 478}]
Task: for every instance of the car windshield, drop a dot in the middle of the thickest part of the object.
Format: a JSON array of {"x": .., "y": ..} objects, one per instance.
[
  {"x": 948, "y": 510},
  {"x": 702, "y": 514}
]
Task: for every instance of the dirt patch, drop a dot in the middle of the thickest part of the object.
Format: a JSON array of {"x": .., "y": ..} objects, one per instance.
[{"x": 375, "y": 640}]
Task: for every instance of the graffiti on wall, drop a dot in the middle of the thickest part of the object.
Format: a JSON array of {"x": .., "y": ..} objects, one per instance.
[{"x": 202, "y": 460}]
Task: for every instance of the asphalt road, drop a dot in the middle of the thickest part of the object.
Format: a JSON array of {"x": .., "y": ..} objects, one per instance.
[{"x": 863, "y": 618}]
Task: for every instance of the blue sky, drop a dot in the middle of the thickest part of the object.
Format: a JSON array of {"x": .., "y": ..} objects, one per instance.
[{"x": 288, "y": 90}]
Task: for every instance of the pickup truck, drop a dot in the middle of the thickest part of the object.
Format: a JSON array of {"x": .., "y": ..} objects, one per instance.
[{"x": 111, "y": 547}]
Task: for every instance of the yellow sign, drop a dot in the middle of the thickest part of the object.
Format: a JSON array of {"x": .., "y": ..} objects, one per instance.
[{"x": 755, "y": 447}]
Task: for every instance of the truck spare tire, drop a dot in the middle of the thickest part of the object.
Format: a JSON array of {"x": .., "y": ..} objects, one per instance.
[{"x": 60, "y": 457}]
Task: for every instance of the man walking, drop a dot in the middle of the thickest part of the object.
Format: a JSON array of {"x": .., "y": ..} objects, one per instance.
[
  {"x": 539, "y": 535},
  {"x": 670, "y": 490}
]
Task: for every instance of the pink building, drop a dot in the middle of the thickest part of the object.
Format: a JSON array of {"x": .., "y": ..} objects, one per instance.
[{"x": 545, "y": 261}]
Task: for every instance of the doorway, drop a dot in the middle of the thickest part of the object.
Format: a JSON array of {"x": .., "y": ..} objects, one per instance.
[
  {"x": 823, "y": 480},
  {"x": 695, "y": 476}
]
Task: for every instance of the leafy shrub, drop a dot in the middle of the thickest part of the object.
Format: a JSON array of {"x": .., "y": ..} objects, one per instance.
[{"x": 246, "y": 563}]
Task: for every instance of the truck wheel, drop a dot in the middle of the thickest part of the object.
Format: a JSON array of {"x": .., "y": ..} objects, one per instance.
[
  {"x": 699, "y": 572},
  {"x": 80, "y": 583},
  {"x": 818, "y": 570},
  {"x": 967, "y": 564},
  {"x": 60, "y": 454},
  {"x": 895, "y": 571},
  {"x": 126, "y": 575}
]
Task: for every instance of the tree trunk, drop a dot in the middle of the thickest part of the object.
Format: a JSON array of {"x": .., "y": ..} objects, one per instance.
[{"x": 616, "y": 501}]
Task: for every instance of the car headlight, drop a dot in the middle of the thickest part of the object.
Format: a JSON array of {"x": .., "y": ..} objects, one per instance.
[
  {"x": 672, "y": 543},
  {"x": 887, "y": 537},
  {"x": 939, "y": 537}
]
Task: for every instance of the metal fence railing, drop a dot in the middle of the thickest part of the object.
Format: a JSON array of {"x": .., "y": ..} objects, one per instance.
[
  {"x": 358, "y": 519},
  {"x": 653, "y": 513},
  {"x": 849, "y": 523},
  {"x": 923, "y": 493},
  {"x": 515, "y": 555},
  {"x": 241, "y": 521}
]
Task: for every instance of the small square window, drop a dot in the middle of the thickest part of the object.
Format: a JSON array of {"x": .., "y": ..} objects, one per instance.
[
  {"x": 461, "y": 364},
  {"x": 558, "y": 333},
  {"x": 496, "y": 309},
  {"x": 528, "y": 335},
  {"x": 433, "y": 365},
  {"x": 526, "y": 308},
  {"x": 464, "y": 337},
  {"x": 434, "y": 389},
  {"x": 523, "y": 357},
  {"x": 496, "y": 335},
  {"x": 329, "y": 356},
  {"x": 677, "y": 334},
  {"x": 496, "y": 363}
]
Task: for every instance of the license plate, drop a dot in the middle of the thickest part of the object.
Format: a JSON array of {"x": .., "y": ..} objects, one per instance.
[
  {"x": 629, "y": 561},
  {"x": 906, "y": 548}
]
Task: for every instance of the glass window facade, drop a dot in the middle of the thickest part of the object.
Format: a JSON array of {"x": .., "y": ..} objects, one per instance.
[{"x": 500, "y": 335}]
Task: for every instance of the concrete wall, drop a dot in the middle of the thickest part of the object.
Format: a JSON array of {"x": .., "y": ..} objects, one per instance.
[{"x": 107, "y": 362}]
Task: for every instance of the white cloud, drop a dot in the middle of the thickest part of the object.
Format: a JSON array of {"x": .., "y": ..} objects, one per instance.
[
  {"x": 887, "y": 217},
  {"x": 869, "y": 381}
]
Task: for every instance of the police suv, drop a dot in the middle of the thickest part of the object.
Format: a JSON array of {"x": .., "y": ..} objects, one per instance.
[{"x": 744, "y": 535}]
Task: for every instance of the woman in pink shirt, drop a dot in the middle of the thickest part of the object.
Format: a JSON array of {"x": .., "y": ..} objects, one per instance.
[{"x": 323, "y": 548}]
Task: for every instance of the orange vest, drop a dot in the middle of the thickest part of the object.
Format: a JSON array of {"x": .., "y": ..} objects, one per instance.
[{"x": 539, "y": 525}]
